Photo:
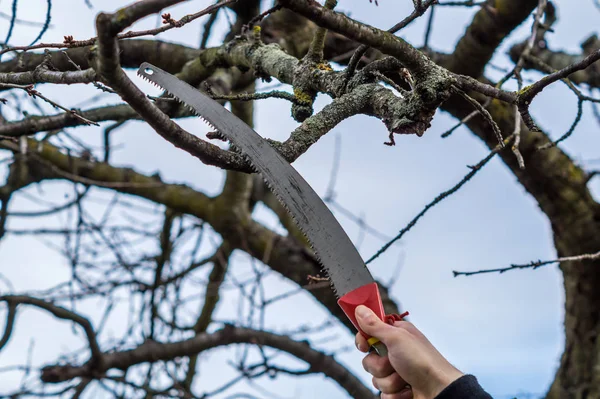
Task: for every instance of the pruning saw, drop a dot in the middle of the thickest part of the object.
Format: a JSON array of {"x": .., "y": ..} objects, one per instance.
[{"x": 349, "y": 277}]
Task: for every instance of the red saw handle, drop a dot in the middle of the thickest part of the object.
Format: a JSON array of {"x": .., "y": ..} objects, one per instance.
[{"x": 369, "y": 296}]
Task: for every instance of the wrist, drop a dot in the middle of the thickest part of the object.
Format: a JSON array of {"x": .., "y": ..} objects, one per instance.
[{"x": 440, "y": 379}]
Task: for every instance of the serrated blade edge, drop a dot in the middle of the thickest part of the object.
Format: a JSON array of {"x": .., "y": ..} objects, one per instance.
[{"x": 336, "y": 253}]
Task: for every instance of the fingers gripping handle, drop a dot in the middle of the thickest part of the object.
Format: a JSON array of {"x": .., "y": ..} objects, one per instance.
[
  {"x": 369, "y": 296},
  {"x": 379, "y": 348}
]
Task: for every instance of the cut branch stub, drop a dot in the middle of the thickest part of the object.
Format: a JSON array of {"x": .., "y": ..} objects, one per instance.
[{"x": 420, "y": 106}]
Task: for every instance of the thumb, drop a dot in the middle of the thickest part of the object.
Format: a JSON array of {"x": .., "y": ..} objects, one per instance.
[{"x": 370, "y": 323}]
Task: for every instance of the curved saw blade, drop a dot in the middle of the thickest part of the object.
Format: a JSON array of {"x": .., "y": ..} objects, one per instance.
[{"x": 336, "y": 253}]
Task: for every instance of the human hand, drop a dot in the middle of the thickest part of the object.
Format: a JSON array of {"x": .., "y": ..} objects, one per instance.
[{"x": 413, "y": 367}]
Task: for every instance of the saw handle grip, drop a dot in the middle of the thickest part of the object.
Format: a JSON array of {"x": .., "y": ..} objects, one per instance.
[
  {"x": 368, "y": 295},
  {"x": 379, "y": 348}
]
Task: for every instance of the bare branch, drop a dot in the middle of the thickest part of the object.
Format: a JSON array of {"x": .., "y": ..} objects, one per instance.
[
  {"x": 484, "y": 112},
  {"x": 10, "y": 322},
  {"x": 571, "y": 129},
  {"x": 60, "y": 313},
  {"x": 418, "y": 11},
  {"x": 44, "y": 75},
  {"x": 532, "y": 265},
  {"x": 474, "y": 169},
  {"x": 34, "y": 93},
  {"x": 131, "y": 14},
  {"x": 528, "y": 93},
  {"x": 318, "y": 362}
]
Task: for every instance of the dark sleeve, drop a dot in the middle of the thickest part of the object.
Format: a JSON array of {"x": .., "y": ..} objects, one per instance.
[{"x": 466, "y": 387}]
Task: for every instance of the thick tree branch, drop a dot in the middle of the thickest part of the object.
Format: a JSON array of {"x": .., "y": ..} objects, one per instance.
[
  {"x": 384, "y": 41},
  {"x": 108, "y": 68},
  {"x": 401, "y": 115},
  {"x": 152, "y": 351},
  {"x": 44, "y": 75},
  {"x": 170, "y": 57}
]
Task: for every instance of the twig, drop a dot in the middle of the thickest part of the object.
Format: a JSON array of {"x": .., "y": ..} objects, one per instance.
[
  {"x": 533, "y": 38},
  {"x": 29, "y": 89},
  {"x": 127, "y": 35},
  {"x": 80, "y": 388},
  {"x": 464, "y": 120},
  {"x": 362, "y": 49},
  {"x": 390, "y": 82},
  {"x": 60, "y": 313},
  {"x": 106, "y": 138},
  {"x": 13, "y": 18},
  {"x": 97, "y": 84},
  {"x": 517, "y": 142},
  {"x": 440, "y": 197},
  {"x": 207, "y": 29},
  {"x": 261, "y": 16},
  {"x": 571, "y": 128},
  {"x": 315, "y": 51},
  {"x": 429, "y": 28},
  {"x": 46, "y": 23},
  {"x": 484, "y": 112},
  {"x": 527, "y": 94},
  {"x": 532, "y": 265},
  {"x": 54, "y": 209},
  {"x": 580, "y": 96}
]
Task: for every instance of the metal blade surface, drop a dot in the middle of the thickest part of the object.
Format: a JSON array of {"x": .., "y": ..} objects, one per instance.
[{"x": 338, "y": 256}]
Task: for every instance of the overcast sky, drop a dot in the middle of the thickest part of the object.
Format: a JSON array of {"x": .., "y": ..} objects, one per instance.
[{"x": 506, "y": 329}]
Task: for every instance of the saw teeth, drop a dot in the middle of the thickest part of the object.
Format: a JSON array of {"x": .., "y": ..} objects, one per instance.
[
  {"x": 189, "y": 107},
  {"x": 249, "y": 161},
  {"x": 156, "y": 85},
  {"x": 206, "y": 121}
]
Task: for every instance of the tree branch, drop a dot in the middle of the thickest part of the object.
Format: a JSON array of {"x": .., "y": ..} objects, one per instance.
[
  {"x": 152, "y": 351},
  {"x": 10, "y": 322},
  {"x": 384, "y": 41},
  {"x": 44, "y": 75},
  {"x": 558, "y": 60},
  {"x": 60, "y": 313},
  {"x": 532, "y": 265}
]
